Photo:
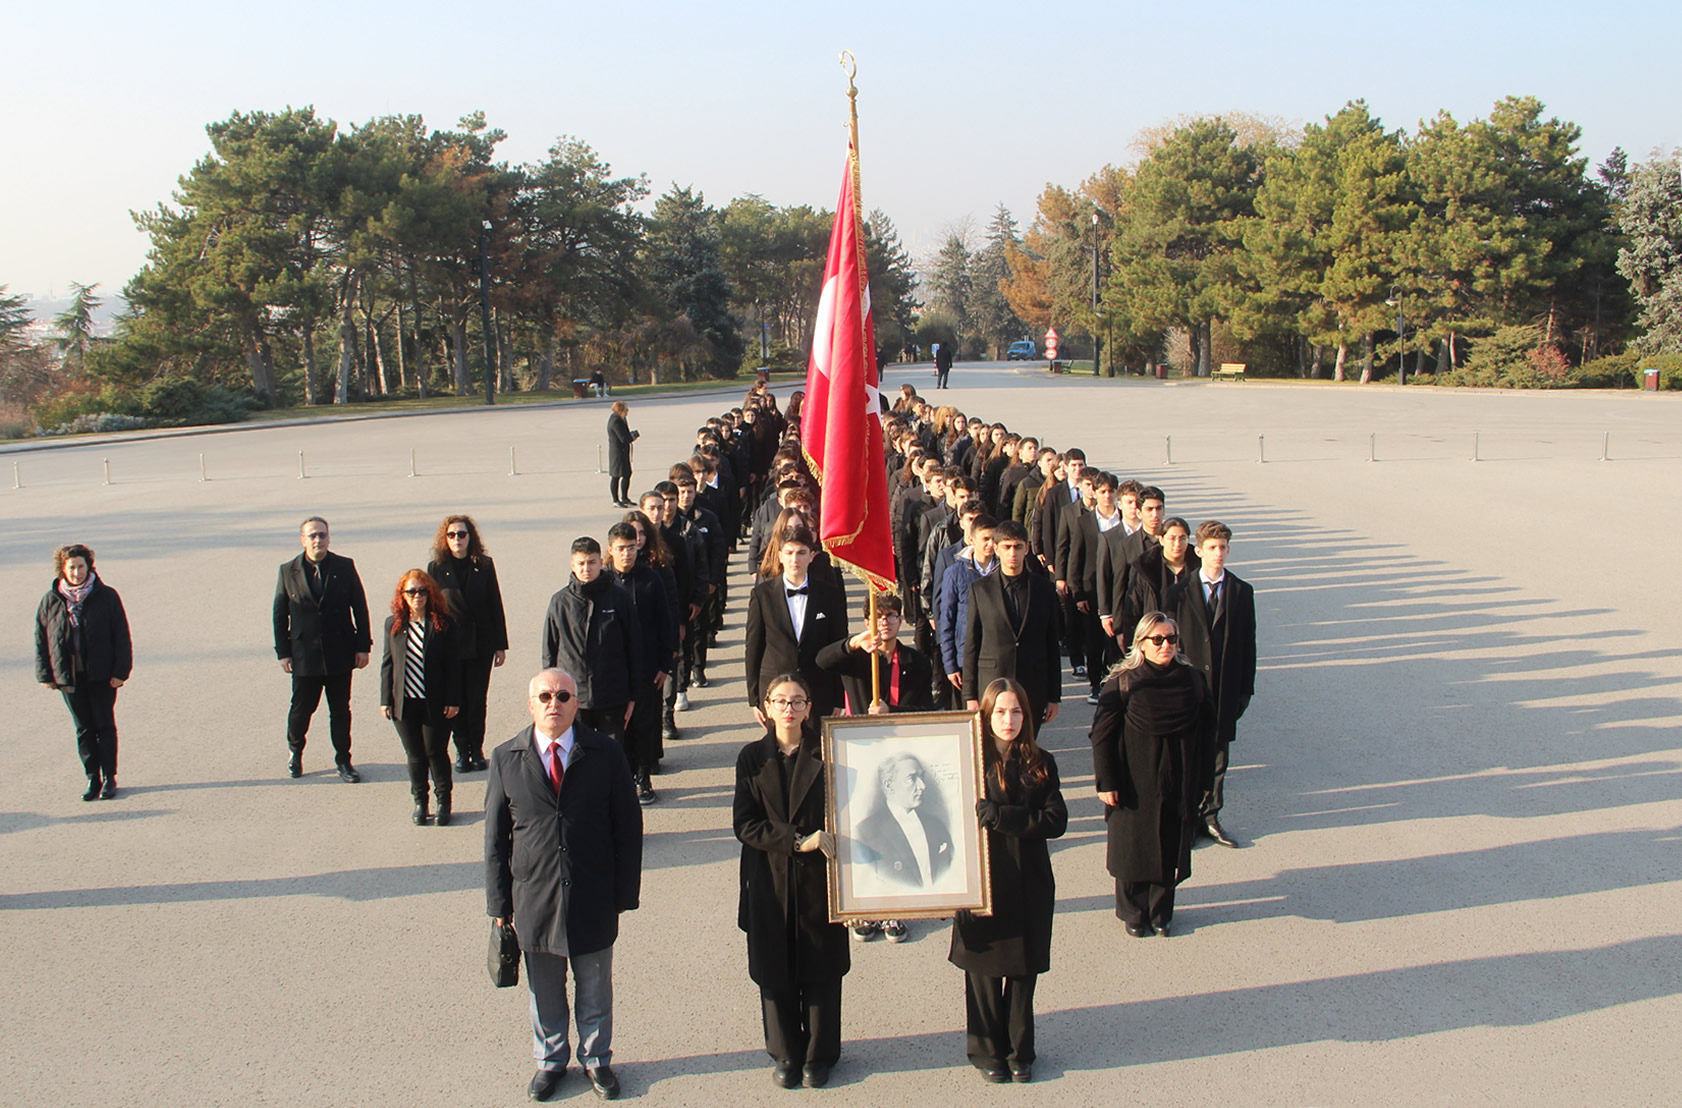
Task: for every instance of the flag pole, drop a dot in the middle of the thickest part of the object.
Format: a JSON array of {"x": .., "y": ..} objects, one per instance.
[{"x": 850, "y": 66}]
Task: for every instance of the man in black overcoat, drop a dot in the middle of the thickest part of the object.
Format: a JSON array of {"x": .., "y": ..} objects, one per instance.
[
  {"x": 321, "y": 636},
  {"x": 561, "y": 812},
  {"x": 1014, "y": 628},
  {"x": 1219, "y": 638}
]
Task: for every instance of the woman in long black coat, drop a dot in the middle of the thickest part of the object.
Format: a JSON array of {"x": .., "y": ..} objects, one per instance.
[
  {"x": 1152, "y": 738},
  {"x": 619, "y": 440},
  {"x": 795, "y": 955},
  {"x": 478, "y": 625},
  {"x": 83, "y": 649},
  {"x": 1002, "y": 955}
]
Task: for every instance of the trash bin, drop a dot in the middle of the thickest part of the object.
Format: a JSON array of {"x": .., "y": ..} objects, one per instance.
[
  {"x": 1650, "y": 380},
  {"x": 763, "y": 375},
  {"x": 581, "y": 388},
  {"x": 1162, "y": 371}
]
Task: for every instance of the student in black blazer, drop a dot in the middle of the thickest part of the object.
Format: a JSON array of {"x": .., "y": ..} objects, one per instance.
[
  {"x": 1014, "y": 634},
  {"x": 1221, "y": 642},
  {"x": 321, "y": 636},
  {"x": 773, "y": 645},
  {"x": 420, "y": 686}
]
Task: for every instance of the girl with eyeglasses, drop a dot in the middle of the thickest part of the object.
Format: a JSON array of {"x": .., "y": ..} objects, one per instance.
[
  {"x": 1152, "y": 741},
  {"x": 795, "y": 955},
  {"x": 420, "y": 687}
]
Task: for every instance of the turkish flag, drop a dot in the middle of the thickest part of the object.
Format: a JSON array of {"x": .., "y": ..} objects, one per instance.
[{"x": 840, "y": 424}]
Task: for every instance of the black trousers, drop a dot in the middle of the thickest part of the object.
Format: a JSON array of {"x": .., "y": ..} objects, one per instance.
[
  {"x": 1000, "y": 1013},
  {"x": 426, "y": 746},
  {"x": 1141, "y": 902},
  {"x": 1074, "y": 631},
  {"x": 306, "y": 695},
  {"x": 803, "y": 1024},
  {"x": 93, "y": 707},
  {"x": 940, "y": 376},
  {"x": 1215, "y": 796},
  {"x": 642, "y": 735},
  {"x": 610, "y": 722},
  {"x": 619, "y": 486},
  {"x": 468, "y": 728},
  {"x": 1100, "y": 650}
]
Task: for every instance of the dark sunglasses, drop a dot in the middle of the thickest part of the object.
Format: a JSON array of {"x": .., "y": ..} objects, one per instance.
[
  {"x": 457, "y": 534},
  {"x": 559, "y": 696},
  {"x": 414, "y": 592},
  {"x": 1160, "y": 639}
]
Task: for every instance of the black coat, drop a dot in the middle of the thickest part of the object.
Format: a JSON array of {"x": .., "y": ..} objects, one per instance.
[
  {"x": 592, "y": 633},
  {"x": 106, "y": 650},
  {"x": 1225, "y": 653},
  {"x": 321, "y": 637},
  {"x": 916, "y": 677},
  {"x": 619, "y": 439},
  {"x": 656, "y": 622},
  {"x": 1149, "y": 583},
  {"x": 440, "y": 665},
  {"x": 1015, "y": 940},
  {"x": 477, "y": 621},
  {"x": 563, "y": 868},
  {"x": 784, "y": 901},
  {"x": 883, "y": 846},
  {"x": 1159, "y": 777},
  {"x": 1027, "y": 652},
  {"x": 772, "y": 649},
  {"x": 1118, "y": 553}
]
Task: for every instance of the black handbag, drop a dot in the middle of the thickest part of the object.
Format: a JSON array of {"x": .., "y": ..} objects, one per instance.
[{"x": 503, "y": 961}]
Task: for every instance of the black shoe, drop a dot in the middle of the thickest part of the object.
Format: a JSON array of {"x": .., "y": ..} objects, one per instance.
[
  {"x": 1079, "y": 671},
  {"x": 1162, "y": 929},
  {"x": 995, "y": 1073},
  {"x": 295, "y": 764},
  {"x": 815, "y": 1075},
  {"x": 700, "y": 677},
  {"x": 784, "y": 1075},
  {"x": 109, "y": 790},
  {"x": 464, "y": 763},
  {"x": 419, "y": 815},
  {"x": 443, "y": 819},
  {"x": 669, "y": 732},
  {"x": 348, "y": 774},
  {"x": 1022, "y": 1072},
  {"x": 603, "y": 1081},
  {"x": 544, "y": 1083},
  {"x": 479, "y": 763},
  {"x": 646, "y": 794},
  {"x": 1212, "y": 827},
  {"x": 93, "y": 789},
  {"x": 1140, "y": 930}
]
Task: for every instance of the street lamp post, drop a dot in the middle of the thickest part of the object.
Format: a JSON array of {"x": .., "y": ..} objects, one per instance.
[
  {"x": 485, "y": 309},
  {"x": 1096, "y": 345},
  {"x": 1395, "y": 301}
]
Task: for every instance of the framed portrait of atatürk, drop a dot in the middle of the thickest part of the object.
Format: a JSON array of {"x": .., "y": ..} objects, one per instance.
[{"x": 901, "y": 804}]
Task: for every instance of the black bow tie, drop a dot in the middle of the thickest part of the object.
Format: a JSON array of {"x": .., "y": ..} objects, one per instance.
[{"x": 801, "y": 591}]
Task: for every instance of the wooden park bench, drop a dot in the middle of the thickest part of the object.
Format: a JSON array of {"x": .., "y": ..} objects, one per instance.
[{"x": 1229, "y": 371}]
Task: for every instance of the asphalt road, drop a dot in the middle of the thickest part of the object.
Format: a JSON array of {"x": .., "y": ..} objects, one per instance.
[{"x": 1458, "y": 784}]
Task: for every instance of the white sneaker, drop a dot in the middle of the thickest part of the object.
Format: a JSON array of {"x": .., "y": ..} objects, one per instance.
[
  {"x": 681, "y": 704},
  {"x": 894, "y": 931},
  {"x": 863, "y": 930}
]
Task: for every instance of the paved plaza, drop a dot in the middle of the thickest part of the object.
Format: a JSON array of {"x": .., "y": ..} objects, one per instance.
[{"x": 1459, "y": 785}]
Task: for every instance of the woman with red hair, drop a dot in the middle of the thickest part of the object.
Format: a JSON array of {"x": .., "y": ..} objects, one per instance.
[{"x": 420, "y": 687}]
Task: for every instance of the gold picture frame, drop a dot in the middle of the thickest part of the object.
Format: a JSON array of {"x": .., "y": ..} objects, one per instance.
[{"x": 889, "y": 778}]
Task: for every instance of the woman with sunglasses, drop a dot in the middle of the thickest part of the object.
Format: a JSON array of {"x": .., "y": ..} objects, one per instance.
[
  {"x": 795, "y": 955},
  {"x": 478, "y": 625},
  {"x": 420, "y": 687},
  {"x": 1152, "y": 739}
]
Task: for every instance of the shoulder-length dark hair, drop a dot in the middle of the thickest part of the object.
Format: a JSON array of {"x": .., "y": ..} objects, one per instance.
[
  {"x": 653, "y": 545},
  {"x": 437, "y": 608},
  {"x": 1025, "y": 761},
  {"x": 441, "y": 545}
]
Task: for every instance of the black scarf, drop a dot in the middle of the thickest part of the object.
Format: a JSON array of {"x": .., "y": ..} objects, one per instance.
[{"x": 1162, "y": 700}]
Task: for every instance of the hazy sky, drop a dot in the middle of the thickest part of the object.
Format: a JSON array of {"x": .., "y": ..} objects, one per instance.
[{"x": 962, "y": 105}]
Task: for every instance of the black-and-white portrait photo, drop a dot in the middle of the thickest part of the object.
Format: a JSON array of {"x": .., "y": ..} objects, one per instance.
[{"x": 902, "y": 797}]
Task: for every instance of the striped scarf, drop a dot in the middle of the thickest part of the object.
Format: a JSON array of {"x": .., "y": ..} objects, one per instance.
[
  {"x": 75, "y": 595},
  {"x": 414, "y": 663}
]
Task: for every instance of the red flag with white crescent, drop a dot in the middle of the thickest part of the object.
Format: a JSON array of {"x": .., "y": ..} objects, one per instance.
[{"x": 840, "y": 425}]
